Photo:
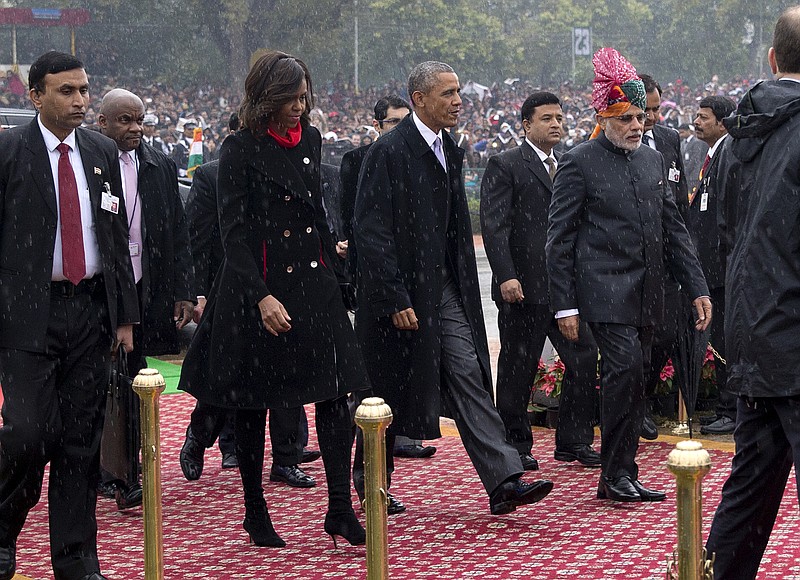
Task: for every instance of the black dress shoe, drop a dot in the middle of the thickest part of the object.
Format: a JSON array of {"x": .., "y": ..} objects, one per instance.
[
  {"x": 291, "y": 475},
  {"x": 229, "y": 460},
  {"x": 648, "y": 494},
  {"x": 107, "y": 490},
  {"x": 128, "y": 496},
  {"x": 310, "y": 455},
  {"x": 617, "y": 489},
  {"x": 583, "y": 454},
  {"x": 529, "y": 463},
  {"x": 192, "y": 457},
  {"x": 708, "y": 419},
  {"x": 414, "y": 451},
  {"x": 94, "y": 576},
  {"x": 511, "y": 494},
  {"x": 649, "y": 429},
  {"x": 395, "y": 505},
  {"x": 722, "y": 426},
  {"x": 8, "y": 562}
]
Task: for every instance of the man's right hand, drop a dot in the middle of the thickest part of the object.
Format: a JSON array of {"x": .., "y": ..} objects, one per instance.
[
  {"x": 274, "y": 315},
  {"x": 569, "y": 327},
  {"x": 511, "y": 291},
  {"x": 405, "y": 320}
]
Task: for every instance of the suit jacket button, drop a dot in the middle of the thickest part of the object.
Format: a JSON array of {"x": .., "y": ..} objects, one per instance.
[
  {"x": 289, "y": 269},
  {"x": 314, "y": 264},
  {"x": 287, "y": 198},
  {"x": 308, "y": 230},
  {"x": 286, "y": 233},
  {"x": 306, "y": 160}
]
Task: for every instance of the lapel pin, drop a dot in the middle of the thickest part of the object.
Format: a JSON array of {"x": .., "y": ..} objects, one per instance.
[{"x": 97, "y": 171}]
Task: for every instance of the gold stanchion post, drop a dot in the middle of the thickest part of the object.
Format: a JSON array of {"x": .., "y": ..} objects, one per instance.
[
  {"x": 373, "y": 416},
  {"x": 690, "y": 463},
  {"x": 149, "y": 384}
]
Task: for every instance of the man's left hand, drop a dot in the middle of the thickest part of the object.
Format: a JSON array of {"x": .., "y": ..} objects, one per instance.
[
  {"x": 703, "y": 307},
  {"x": 182, "y": 314}
]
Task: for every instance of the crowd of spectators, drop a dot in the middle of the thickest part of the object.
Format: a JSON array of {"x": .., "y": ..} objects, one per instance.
[{"x": 489, "y": 121}]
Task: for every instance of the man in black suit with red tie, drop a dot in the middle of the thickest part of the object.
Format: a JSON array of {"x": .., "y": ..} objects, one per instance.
[
  {"x": 702, "y": 225},
  {"x": 515, "y": 198},
  {"x": 666, "y": 141},
  {"x": 67, "y": 296}
]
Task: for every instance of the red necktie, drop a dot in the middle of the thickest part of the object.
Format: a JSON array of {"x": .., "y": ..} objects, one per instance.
[{"x": 73, "y": 258}]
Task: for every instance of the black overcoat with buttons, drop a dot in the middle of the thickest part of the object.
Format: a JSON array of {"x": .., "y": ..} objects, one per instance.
[{"x": 276, "y": 242}]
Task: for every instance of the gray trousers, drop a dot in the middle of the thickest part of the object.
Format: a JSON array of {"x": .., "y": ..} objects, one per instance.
[{"x": 467, "y": 400}]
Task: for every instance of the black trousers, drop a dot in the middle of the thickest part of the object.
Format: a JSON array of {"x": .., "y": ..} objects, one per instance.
[
  {"x": 727, "y": 400},
  {"x": 523, "y": 330},
  {"x": 767, "y": 441},
  {"x": 665, "y": 334},
  {"x": 334, "y": 429},
  {"x": 625, "y": 354},
  {"x": 288, "y": 431},
  {"x": 53, "y": 412}
]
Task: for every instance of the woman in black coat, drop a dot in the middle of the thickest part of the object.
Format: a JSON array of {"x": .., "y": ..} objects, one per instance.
[{"x": 275, "y": 331}]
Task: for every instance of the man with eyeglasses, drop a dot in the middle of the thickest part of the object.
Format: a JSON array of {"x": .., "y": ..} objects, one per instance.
[
  {"x": 613, "y": 222},
  {"x": 666, "y": 141}
]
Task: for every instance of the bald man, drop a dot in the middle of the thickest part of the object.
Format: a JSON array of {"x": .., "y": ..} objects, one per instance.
[{"x": 162, "y": 265}]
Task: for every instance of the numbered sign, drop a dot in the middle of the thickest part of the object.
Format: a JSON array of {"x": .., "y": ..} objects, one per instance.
[{"x": 582, "y": 41}]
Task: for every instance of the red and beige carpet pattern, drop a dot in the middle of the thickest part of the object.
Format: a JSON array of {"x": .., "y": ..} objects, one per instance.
[{"x": 447, "y": 532}]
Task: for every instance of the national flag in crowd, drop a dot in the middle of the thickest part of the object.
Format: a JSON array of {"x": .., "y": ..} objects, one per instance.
[{"x": 195, "y": 152}]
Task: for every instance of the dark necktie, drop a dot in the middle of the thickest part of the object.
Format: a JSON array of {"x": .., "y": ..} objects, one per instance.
[
  {"x": 551, "y": 167},
  {"x": 72, "y": 255}
]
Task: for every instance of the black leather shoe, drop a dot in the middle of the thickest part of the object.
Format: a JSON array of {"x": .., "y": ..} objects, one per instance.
[
  {"x": 8, "y": 562},
  {"x": 708, "y": 419},
  {"x": 649, "y": 429},
  {"x": 128, "y": 496},
  {"x": 529, "y": 463},
  {"x": 617, "y": 489},
  {"x": 107, "y": 490},
  {"x": 310, "y": 455},
  {"x": 94, "y": 576},
  {"x": 192, "y": 457},
  {"x": 291, "y": 475},
  {"x": 583, "y": 454},
  {"x": 648, "y": 494},
  {"x": 414, "y": 451},
  {"x": 512, "y": 494},
  {"x": 229, "y": 461},
  {"x": 722, "y": 426},
  {"x": 395, "y": 505}
]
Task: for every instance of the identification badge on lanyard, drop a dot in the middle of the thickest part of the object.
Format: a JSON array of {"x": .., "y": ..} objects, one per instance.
[
  {"x": 108, "y": 201},
  {"x": 674, "y": 174},
  {"x": 133, "y": 248},
  {"x": 704, "y": 201}
]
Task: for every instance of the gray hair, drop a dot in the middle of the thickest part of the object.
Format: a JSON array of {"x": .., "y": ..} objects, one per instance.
[{"x": 423, "y": 77}]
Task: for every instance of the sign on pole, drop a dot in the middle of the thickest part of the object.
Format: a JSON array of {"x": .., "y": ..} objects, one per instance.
[{"x": 582, "y": 41}]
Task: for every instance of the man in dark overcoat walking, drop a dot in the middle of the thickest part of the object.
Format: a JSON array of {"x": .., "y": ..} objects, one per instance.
[{"x": 420, "y": 321}]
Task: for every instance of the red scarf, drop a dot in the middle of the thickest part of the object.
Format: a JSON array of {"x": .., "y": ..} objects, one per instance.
[{"x": 292, "y": 136}]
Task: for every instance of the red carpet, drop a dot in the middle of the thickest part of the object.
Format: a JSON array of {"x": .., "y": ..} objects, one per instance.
[{"x": 447, "y": 532}]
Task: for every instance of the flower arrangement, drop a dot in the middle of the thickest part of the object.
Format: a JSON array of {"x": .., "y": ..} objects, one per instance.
[{"x": 550, "y": 377}]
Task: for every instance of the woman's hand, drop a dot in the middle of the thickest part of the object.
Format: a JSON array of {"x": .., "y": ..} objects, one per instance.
[{"x": 274, "y": 315}]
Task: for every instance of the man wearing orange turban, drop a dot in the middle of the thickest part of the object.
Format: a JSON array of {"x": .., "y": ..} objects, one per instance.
[{"x": 612, "y": 222}]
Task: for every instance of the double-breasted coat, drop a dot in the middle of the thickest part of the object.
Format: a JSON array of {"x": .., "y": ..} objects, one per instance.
[
  {"x": 276, "y": 242},
  {"x": 411, "y": 220}
]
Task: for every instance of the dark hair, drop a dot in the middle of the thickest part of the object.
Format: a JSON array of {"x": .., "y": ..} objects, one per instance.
[
  {"x": 271, "y": 83},
  {"x": 50, "y": 63},
  {"x": 786, "y": 41},
  {"x": 537, "y": 99},
  {"x": 720, "y": 106},
  {"x": 233, "y": 122},
  {"x": 389, "y": 102},
  {"x": 650, "y": 84}
]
